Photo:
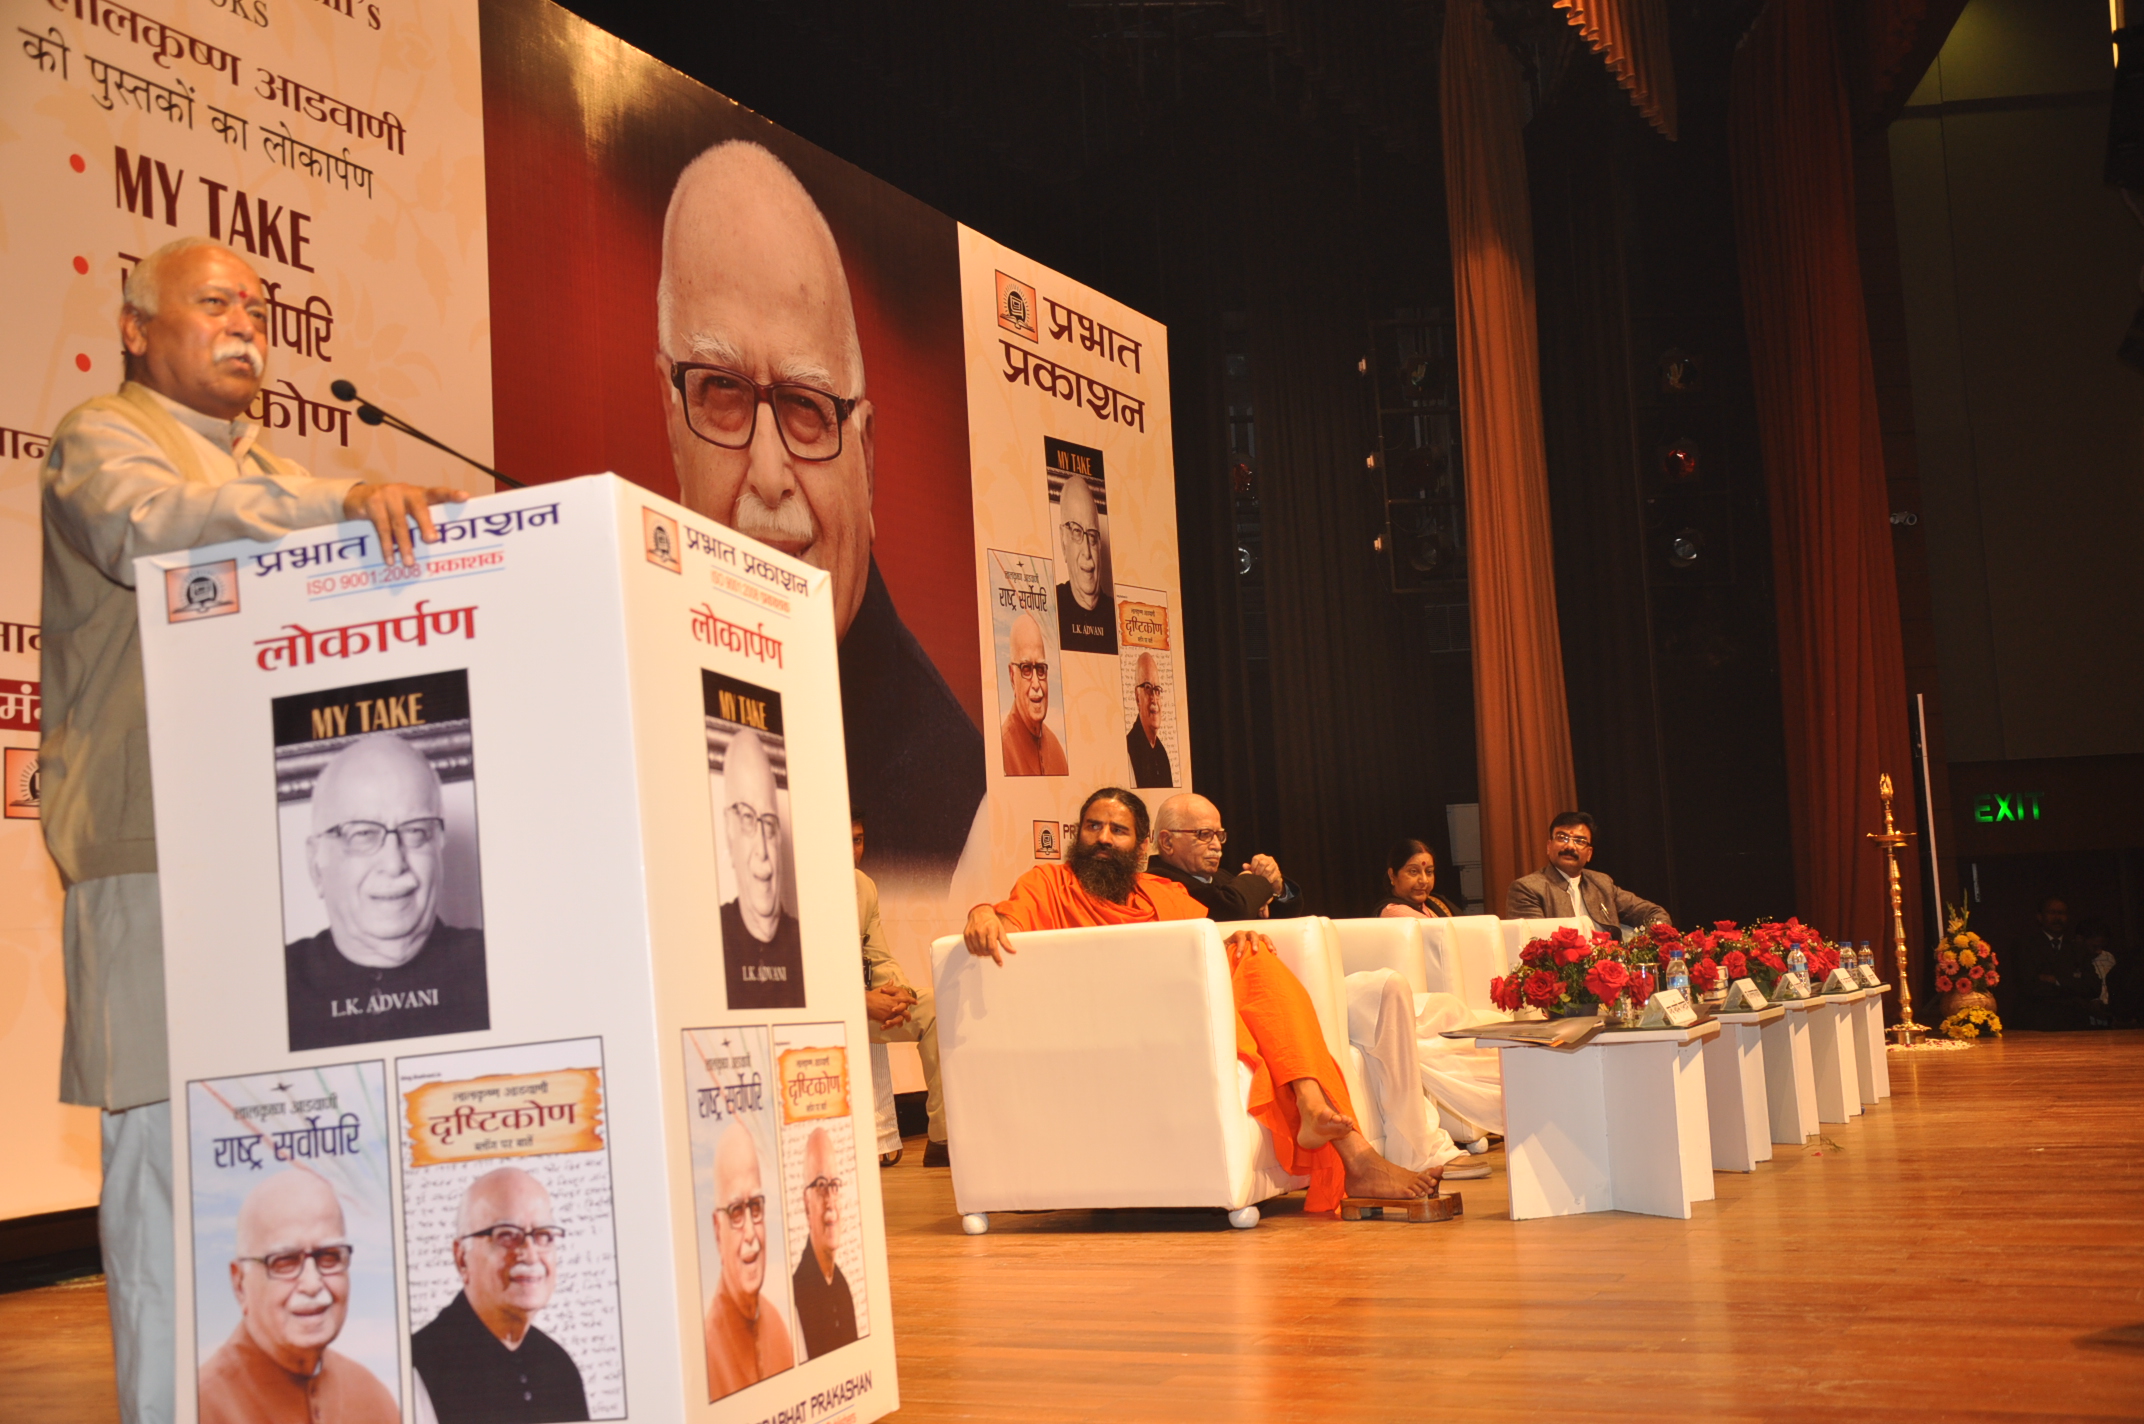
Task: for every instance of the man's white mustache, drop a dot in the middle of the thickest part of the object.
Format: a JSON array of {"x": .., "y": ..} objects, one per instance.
[
  {"x": 527, "y": 1273},
  {"x": 789, "y": 522},
  {"x": 748, "y": 1251},
  {"x": 231, "y": 348}
]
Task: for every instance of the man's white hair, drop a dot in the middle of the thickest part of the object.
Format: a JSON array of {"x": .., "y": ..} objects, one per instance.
[
  {"x": 145, "y": 284},
  {"x": 764, "y": 169}
]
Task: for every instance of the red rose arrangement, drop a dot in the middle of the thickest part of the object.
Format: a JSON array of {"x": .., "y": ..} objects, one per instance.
[{"x": 1566, "y": 970}]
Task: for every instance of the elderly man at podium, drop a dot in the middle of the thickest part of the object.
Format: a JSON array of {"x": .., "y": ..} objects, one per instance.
[
  {"x": 1297, "y": 1092},
  {"x": 170, "y": 462},
  {"x": 754, "y": 310}
]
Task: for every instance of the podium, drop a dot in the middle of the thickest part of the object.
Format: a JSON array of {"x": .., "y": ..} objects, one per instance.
[{"x": 511, "y": 966}]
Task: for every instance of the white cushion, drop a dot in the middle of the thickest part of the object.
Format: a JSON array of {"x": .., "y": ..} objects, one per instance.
[
  {"x": 1098, "y": 1068},
  {"x": 1367, "y": 945}
]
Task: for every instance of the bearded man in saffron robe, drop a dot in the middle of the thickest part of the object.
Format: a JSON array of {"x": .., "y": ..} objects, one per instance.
[{"x": 1297, "y": 1092}]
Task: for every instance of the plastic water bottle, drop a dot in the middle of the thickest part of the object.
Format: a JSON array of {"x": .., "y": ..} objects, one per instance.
[
  {"x": 1868, "y": 959},
  {"x": 1798, "y": 966},
  {"x": 1678, "y": 976}
]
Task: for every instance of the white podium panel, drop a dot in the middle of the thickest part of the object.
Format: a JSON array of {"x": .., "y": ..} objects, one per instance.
[
  {"x": 1790, "y": 1073},
  {"x": 1869, "y": 1045},
  {"x": 1832, "y": 1031},
  {"x": 1620, "y": 1124},
  {"x": 1735, "y": 1092},
  {"x": 510, "y": 956}
]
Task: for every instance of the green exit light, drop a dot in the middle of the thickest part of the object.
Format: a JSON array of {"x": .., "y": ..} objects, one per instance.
[{"x": 2024, "y": 807}]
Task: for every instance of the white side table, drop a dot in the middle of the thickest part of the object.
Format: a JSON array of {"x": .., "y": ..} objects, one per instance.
[
  {"x": 1735, "y": 1095},
  {"x": 1879, "y": 1062},
  {"x": 1831, "y": 1049},
  {"x": 1617, "y": 1125},
  {"x": 1790, "y": 1073}
]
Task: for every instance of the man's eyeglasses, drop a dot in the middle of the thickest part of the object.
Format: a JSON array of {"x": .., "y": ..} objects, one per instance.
[
  {"x": 747, "y": 819},
  {"x": 822, "y": 1186},
  {"x": 1151, "y": 689},
  {"x": 511, "y": 1238},
  {"x": 1216, "y": 837},
  {"x": 735, "y": 1212},
  {"x": 289, "y": 1265},
  {"x": 1566, "y": 838},
  {"x": 722, "y": 408},
  {"x": 366, "y": 837},
  {"x": 1032, "y": 672},
  {"x": 1080, "y": 533}
]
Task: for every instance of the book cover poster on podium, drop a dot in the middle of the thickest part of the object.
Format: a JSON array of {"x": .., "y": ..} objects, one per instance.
[
  {"x": 739, "y": 1221},
  {"x": 506, "y": 1208},
  {"x": 293, "y": 1248},
  {"x": 383, "y": 906}
]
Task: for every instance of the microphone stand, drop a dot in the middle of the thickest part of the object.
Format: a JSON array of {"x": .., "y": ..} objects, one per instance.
[{"x": 370, "y": 414}]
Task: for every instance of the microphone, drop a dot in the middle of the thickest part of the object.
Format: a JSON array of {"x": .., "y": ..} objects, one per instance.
[{"x": 370, "y": 414}]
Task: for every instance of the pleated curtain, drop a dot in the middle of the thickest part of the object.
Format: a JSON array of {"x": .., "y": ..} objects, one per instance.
[
  {"x": 1522, "y": 730},
  {"x": 1631, "y": 36},
  {"x": 1842, "y": 674}
]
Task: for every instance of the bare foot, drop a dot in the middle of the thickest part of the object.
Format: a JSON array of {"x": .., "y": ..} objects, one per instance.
[
  {"x": 1370, "y": 1175},
  {"x": 1321, "y": 1122}
]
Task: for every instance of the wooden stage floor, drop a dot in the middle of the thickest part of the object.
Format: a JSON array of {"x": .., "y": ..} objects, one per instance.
[{"x": 1972, "y": 1249}]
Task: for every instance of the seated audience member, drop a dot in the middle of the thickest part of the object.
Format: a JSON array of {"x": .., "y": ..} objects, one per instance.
[
  {"x": 2058, "y": 984},
  {"x": 1564, "y": 889},
  {"x": 1297, "y": 1093},
  {"x": 1411, "y": 871},
  {"x": 2117, "y": 986},
  {"x": 899, "y": 1013},
  {"x": 1188, "y": 836},
  {"x": 1464, "y": 1083}
]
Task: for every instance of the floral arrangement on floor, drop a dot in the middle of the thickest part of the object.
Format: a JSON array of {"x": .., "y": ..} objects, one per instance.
[
  {"x": 1972, "y": 1023},
  {"x": 1964, "y": 960}
]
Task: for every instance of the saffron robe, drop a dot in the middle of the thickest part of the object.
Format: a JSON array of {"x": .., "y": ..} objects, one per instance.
[{"x": 1277, "y": 1032}]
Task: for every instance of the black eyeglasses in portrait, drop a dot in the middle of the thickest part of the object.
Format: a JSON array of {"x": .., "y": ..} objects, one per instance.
[{"x": 722, "y": 408}]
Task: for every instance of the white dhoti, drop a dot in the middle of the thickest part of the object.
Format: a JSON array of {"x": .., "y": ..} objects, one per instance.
[
  {"x": 1381, "y": 1022},
  {"x": 1466, "y": 1083}
]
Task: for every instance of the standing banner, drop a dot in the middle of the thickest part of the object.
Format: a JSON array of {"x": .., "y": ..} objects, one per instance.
[
  {"x": 338, "y": 145},
  {"x": 1071, "y": 455},
  {"x": 512, "y": 971}
]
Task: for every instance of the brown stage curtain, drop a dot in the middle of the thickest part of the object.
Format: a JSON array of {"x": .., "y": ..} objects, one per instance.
[
  {"x": 1842, "y": 668},
  {"x": 1632, "y": 37},
  {"x": 1522, "y": 730}
]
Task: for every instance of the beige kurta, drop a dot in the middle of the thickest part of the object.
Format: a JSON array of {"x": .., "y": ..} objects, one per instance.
[{"x": 129, "y": 475}]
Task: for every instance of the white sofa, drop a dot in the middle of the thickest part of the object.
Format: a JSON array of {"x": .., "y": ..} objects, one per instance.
[{"x": 1098, "y": 1069}]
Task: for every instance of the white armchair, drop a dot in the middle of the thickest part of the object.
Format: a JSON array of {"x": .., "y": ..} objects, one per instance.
[{"x": 1098, "y": 1069}]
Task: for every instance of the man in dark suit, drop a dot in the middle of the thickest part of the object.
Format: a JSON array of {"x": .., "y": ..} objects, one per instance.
[
  {"x": 1188, "y": 837},
  {"x": 1564, "y": 889}
]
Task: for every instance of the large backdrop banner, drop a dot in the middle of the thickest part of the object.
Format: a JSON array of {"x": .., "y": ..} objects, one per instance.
[{"x": 564, "y": 257}]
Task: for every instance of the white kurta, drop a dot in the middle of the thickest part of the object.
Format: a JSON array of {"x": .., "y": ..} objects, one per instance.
[
  {"x": 1466, "y": 1083},
  {"x": 1381, "y": 1022}
]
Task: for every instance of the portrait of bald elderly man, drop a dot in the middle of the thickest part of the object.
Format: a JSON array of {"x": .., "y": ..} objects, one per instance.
[
  {"x": 482, "y": 1359},
  {"x": 387, "y": 965},
  {"x": 290, "y": 1270},
  {"x": 1086, "y": 612},
  {"x": 1142, "y": 744},
  {"x": 745, "y": 1336},
  {"x": 1025, "y": 741},
  {"x": 762, "y": 949},
  {"x": 773, "y": 432},
  {"x": 825, "y": 1304}
]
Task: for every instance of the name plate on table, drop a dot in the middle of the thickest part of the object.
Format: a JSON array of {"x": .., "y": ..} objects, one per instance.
[
  {"x": 1788, "y": 986},
  {"x": 1867, "y": 975},
  {"x": 1670, "y": 1008},
  {"x": 1840, "y": 982},
  {"x": 1744, "y": 997}
]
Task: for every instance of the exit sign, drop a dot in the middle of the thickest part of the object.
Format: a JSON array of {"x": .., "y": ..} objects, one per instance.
[{"x": 1992, "y": 807}]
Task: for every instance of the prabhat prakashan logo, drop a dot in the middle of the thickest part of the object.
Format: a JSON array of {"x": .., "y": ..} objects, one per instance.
[
  {"x": 1016, "y": 308},
  {"x": 202, "y": 591},
  {"x": 1047, "y": 844},
  {"x": 19, "y": 788},
  {"x": 659, "y": 540}
]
